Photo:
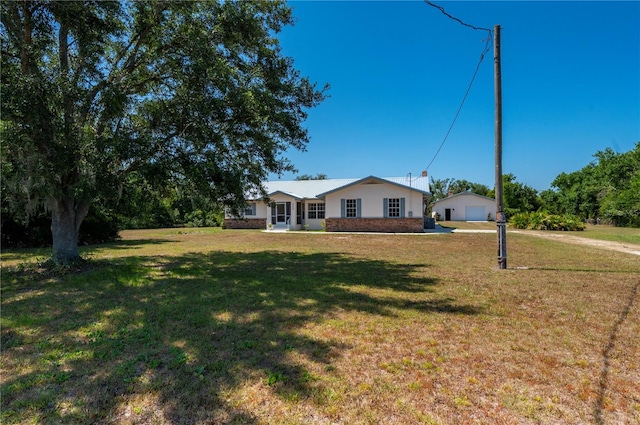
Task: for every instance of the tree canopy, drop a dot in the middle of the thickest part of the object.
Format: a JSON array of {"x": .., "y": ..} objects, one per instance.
[
  {"x": 319, "y": 176},
  {"x": 441, "y": 188},
  {"x": 197, "y": 93},
  {"x": 608, "y": 188},
  {"x": 518, "y": 197}
]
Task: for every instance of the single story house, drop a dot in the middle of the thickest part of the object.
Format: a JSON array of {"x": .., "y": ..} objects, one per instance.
[
  {"x": 465, "y": 206},
  {"x": 370, "y": 204}
]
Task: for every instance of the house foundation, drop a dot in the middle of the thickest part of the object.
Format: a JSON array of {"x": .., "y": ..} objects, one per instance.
[
  {"x": 383, "y": 225},
  {"x": 248, "y": 223}
]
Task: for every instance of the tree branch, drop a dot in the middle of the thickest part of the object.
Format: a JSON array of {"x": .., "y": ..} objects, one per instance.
[
  {"x": 63, "y": 42},
  {"x": 24, "y": 59}
]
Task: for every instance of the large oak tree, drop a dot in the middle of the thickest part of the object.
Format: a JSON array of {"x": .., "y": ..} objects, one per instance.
[{"x": 196, "y": 92}]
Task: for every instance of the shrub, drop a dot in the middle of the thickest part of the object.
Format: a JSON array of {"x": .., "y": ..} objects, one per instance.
[
  {"x": 543, "y": 220},
  {"x": 97, "y": 227},
  {"x": 199, "y": 218}
]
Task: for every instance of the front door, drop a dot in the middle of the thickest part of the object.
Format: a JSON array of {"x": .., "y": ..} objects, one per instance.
[
  {"x": 447, "y": 214},
  {"x": 280, "y": 213}
]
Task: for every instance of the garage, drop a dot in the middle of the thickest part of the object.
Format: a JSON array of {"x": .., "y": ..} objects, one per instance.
[
  {"x": 475, "y": 213},
  {"x": 464, "y": 206}
]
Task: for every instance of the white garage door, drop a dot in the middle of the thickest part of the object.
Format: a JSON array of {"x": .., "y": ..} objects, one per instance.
[{"x": 475, "y": 214}]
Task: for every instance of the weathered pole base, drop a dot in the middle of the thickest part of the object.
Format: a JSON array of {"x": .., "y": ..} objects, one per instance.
[{"x": 502, "y": 243}]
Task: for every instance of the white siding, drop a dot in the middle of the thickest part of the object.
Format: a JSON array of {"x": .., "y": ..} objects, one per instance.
[
  {"x": 463, "y": 204},
  {"x": 372, "y": 197},
  {"x": 313, "y": 223}
]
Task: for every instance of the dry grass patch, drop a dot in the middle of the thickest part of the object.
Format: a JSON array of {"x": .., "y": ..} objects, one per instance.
[
  {"x": 469, "y": 225},
  {"x": 248, "y": 327}
]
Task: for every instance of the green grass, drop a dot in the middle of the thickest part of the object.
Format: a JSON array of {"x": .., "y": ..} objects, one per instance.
[
  {"x": 210, "y": 326},
  {"x": 606, "y": 233},
  {"x": 610, "y": 233}
]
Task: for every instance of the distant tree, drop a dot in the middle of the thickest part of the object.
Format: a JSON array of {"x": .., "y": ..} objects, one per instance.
[
  {"x": 620, "y": 198},
  {"x": 608, "y": 187},
  {"x": 459, "y": 186},
  {"x": 318, "y": 176},
  {"x": 575, "y": 193},
  {"x": 194, "y": 91},
  {"x": 441, "y": 188},
  {"x": 622, "y": 207},
  {"x": 517, "y": 197}
]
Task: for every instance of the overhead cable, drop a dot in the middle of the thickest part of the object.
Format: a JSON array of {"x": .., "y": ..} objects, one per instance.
[
  {"x": 441, "y": 9},
  {"x": 487, "y": 47}
]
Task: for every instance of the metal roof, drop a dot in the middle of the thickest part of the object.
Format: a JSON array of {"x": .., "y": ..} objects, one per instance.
[
  {"x": 314, "y": 189},
  {"x": 464, "y": 194}
]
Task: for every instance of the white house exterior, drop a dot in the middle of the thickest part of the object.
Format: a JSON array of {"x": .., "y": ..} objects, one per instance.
[
  {"x": 465, "y": 206},
  {"x": 371, "y": 204}
]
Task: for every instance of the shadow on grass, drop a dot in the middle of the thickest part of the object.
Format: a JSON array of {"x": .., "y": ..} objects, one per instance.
[
  {"x": 183, "y": 336},
  {"x": 606, "y": 356},
  {"x": 28, "y": 254},
  {"x": 575, "y": 269},
  {"x": 126, "y": 244}
]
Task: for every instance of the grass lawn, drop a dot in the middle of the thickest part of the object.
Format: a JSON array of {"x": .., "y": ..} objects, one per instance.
[
  {"x": 469, "y": 225},
  {"x": 610, "y": 233},
  {"x": 245, "y": 327},
  {"x": 601, "y": 232}
]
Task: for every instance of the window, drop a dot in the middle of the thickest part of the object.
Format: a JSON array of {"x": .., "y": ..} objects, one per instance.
[
  {"x": 250, "y": 209},
  {"x": 351, "y": 208},
  {"x": 394, "y": 207},
  {"x": 316, "y": 211}
]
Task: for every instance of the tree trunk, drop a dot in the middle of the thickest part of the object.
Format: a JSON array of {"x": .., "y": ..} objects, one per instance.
[{"x": 66, "y": 217}]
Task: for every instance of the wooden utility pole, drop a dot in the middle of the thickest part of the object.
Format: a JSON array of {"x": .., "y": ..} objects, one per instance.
[{"x": 500, "y": 217}]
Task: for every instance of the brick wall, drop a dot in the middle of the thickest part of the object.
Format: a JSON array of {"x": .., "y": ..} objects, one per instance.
[
  {"x": 388, "y": 225},
  {"x": 249, "y": 223}
]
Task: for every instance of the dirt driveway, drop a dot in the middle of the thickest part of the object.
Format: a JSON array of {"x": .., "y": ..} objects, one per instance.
[{"x": 563, "y": 237}]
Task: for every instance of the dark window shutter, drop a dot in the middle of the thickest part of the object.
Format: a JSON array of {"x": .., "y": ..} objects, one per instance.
[
  {"x": 385, "y": 207},
  {"x": 343, "y": 208}
]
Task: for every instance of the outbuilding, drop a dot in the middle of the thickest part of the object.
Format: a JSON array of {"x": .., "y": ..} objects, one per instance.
[{"x": 465, "y": 206}]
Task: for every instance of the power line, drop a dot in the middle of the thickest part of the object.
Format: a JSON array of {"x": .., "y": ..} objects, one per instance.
[
  {"x": 487, "y": 47},
  {"x": 441, "y": 9}
]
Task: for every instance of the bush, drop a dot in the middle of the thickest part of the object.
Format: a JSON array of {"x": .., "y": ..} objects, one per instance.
[
  {"x": 18, "y": 234},
  {"x": 542, "y": 220},
  {"x": 97, "y": 227},
  {"x": 199, "y": 218}
]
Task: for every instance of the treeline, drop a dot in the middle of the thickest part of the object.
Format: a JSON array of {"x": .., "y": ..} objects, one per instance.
[
  {"x": 135, "y": 204},
  {"x": 607, "y": 191}
]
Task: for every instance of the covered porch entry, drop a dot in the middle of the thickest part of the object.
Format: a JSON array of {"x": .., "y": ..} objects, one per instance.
[{"x": 281, "y": 215}]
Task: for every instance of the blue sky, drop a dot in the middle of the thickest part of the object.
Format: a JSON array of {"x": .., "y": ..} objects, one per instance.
[{"x": 398, "y": 71}]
